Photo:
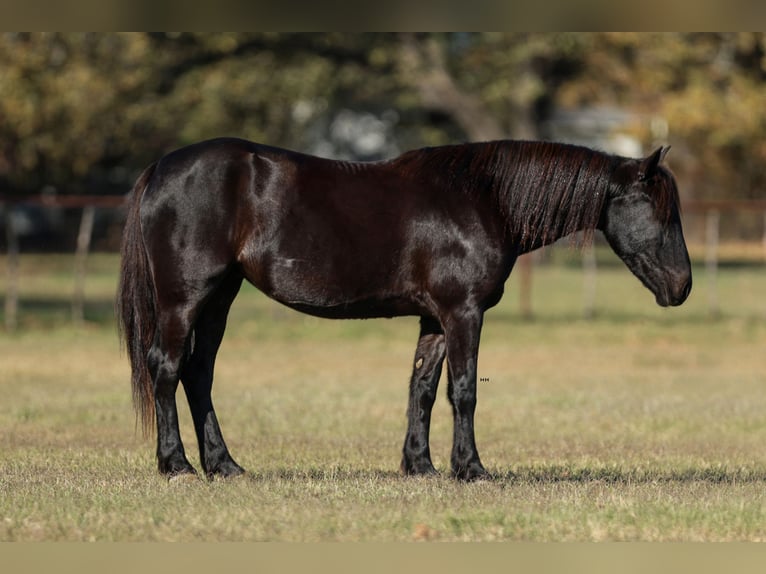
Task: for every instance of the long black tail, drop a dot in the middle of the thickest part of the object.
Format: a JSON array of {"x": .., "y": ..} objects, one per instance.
[{"x": 136, "y": 306}]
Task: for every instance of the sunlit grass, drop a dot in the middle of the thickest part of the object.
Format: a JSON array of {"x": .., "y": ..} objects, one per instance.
[{"x": 642, "y": 424}]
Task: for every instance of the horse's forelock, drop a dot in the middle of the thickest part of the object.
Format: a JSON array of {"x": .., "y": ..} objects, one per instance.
[{"x": 665, "y": 196}]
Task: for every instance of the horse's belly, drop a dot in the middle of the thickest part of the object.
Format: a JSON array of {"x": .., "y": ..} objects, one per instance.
[
  {"x": 336, "y": 292},
  {"x": 359, "y": 309}
]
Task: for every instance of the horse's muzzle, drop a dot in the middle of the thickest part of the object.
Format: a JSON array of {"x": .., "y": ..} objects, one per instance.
[{"x": 677, "y": 294}]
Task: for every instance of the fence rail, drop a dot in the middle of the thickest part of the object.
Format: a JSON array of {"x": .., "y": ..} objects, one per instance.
[
  {"x": 703, "y": 205},
  {"x": 88, "y": 204},
  {"x": 711, "y": 210}
]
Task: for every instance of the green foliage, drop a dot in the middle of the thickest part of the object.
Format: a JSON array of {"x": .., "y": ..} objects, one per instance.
[
  {"x": 709, "y": 88},
  {"x": 76, "y": 107}
]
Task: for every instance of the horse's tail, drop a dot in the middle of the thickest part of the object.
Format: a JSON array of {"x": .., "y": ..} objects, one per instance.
[{"x": 136, "y": 306}]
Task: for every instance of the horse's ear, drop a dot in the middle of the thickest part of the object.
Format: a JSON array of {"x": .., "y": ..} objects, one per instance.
[{"x": 649, "y": 165}]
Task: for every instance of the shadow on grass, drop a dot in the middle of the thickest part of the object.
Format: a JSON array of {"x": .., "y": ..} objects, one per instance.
[
  {"x": 528, "y": 475},
  {"x": 618, "y": 475}
]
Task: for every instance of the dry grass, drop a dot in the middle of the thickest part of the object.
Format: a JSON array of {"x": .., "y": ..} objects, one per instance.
[{"x": 643, "y": 424}]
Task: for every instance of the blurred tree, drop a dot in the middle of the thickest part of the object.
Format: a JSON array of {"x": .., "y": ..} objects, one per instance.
[
  {"x": 709, "y": 87},
  {"x": 85, "y": 111},
  {"x": 63, "y": 100},
  {"x": 76, "y": 110}
]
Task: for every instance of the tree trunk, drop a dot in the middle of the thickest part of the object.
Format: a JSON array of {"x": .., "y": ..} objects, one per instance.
[{"x": 423, "y": 66}]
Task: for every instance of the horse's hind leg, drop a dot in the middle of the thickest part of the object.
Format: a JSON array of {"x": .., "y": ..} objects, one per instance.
[
  {"x": 169, "y": 359},
  {"x": 164, "y": 361},
  {"x": 197, "y": 378},
  {"x": 429, "y": 356}
]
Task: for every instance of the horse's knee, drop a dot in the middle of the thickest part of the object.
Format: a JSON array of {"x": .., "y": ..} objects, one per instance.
[{"x": 462, "y": 394}]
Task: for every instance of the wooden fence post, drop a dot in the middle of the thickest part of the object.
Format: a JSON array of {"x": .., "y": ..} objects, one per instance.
[
  {"x": 589, "y": 280},
  {"x": 12, "y": 273},
  {"x": 712, "y": 225},
  {"x": 764, "y": 236},
  {"x": 80, "y": 258},
  {"x": 525, "y": 285}
]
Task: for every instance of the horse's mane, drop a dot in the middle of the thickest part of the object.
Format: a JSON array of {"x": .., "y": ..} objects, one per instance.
[{"x": 545, "y": 190}]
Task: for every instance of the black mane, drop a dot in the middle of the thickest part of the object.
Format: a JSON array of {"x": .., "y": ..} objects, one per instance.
[
  {"x": 545, "y": 190},
  {"x": 552, "y": 190}
]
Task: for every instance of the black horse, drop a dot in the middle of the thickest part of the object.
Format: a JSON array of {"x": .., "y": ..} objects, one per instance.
[{"x": 433, "y": 233}]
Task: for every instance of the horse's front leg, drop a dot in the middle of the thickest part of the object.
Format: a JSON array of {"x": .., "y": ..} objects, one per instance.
[
  {"x": 429, "y": 356},
  {"x": 463, "y": 330}
]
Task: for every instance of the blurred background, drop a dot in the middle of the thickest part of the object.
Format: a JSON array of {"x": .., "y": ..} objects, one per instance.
[{"x": 81, "y": 114}]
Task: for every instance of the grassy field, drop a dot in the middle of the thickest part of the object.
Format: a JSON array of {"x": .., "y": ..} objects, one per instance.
[{"x": 641, "y": 424}]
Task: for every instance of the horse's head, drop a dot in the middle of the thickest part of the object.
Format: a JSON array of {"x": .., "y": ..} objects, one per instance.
[{"x": 641, "y": 222}]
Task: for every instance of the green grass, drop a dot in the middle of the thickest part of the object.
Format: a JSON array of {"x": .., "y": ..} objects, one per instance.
[{"x": 642, "y": 424}]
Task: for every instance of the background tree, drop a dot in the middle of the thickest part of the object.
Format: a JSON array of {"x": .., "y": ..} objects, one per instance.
[
  {"x": 709, "y": 88},
  {"x": 84, "y": 112}
]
